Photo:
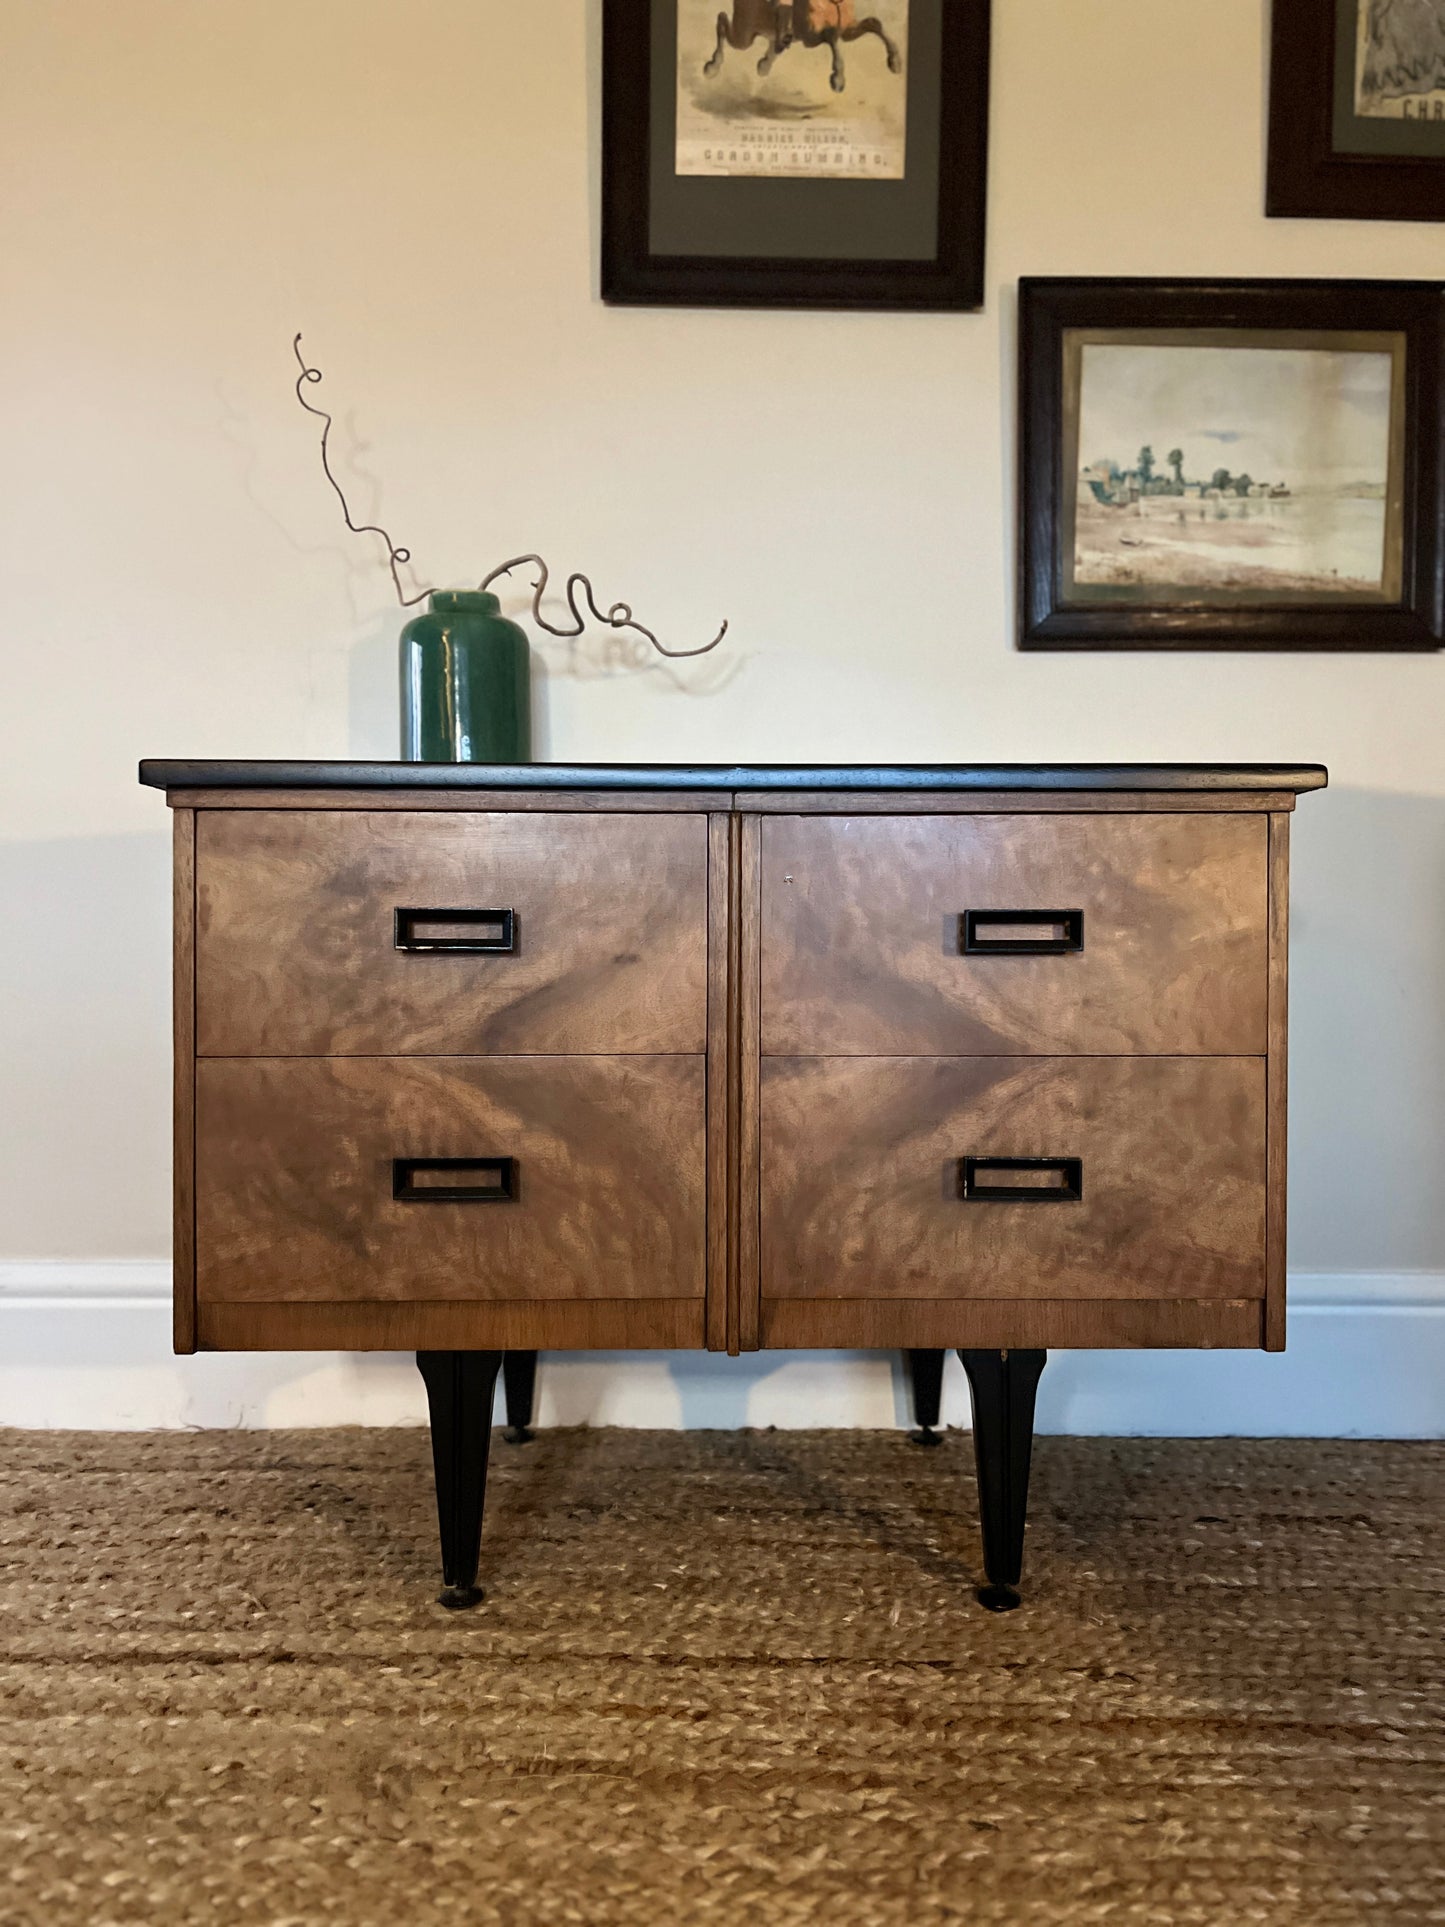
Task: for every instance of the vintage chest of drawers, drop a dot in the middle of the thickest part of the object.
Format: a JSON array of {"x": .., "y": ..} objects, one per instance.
[{"x": 473, "y": 1060}]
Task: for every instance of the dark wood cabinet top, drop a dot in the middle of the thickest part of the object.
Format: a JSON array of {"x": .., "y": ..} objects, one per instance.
[{"x": 1145, "y": 777}]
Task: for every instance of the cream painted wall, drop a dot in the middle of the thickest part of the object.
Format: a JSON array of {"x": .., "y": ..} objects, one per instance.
[{"x": 187, "y": 182}]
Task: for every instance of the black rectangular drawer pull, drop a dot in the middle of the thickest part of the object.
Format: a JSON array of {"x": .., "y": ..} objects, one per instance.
[
  {"x": 1021, "y": 1180},
  {"x": 1021, "y": 933},
  {"x": 445, "y": 1180},
  {"x": 433, "y": 930}
]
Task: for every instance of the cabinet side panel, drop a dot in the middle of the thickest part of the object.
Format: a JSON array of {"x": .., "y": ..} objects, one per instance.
[
  {"x": 1276, "y": 1102},
  {"x": 719, "y": 1072},
  {"x": 183, "y": 1046}
]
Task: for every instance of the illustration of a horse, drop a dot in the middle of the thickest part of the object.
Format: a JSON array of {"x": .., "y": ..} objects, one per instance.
[
  {"x": 812, "y": 23},
  {"x": 1404, "y": 50}
]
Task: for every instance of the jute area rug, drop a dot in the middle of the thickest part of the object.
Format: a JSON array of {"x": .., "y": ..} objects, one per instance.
[{"x": 719, "y": 1677}]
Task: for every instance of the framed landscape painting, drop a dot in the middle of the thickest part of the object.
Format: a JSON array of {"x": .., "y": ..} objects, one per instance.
[
  {"x": 1230, "y": 465},
  {"x": 794, "y": 153},
  {"x": 1357, "y": 110}
]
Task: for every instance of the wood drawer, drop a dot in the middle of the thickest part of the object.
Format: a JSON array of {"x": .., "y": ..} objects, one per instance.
[
  {"x": 297, "y": 934},
  {"x": 863, "y": 940},
  {"x": 295, "y": 1178},
  {"x": 861, "y": 1193}
]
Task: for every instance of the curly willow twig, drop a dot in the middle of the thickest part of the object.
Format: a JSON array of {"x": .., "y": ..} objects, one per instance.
[
  {"x": 395, "y": 556},
  {"x": 618, "y": 616}
]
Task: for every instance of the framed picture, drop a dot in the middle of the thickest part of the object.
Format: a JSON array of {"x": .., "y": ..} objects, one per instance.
[
  {"x": 1230, "y": 464},
  {"x": 1357, "y": 110},
  {"x": 794, "y": 153}
]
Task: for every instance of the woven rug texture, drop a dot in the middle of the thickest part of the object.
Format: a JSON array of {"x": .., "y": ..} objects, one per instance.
[{"x": 735, "y": 1678}]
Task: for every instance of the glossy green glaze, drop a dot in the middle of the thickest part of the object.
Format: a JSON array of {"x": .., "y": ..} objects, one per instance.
[{"x": 466, "y": 694}]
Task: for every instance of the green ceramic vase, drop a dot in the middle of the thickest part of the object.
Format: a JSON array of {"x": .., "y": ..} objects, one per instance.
[{"x": 466, "y": 690}]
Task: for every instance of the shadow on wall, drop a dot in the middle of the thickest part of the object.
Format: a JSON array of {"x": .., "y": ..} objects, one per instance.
[
  {"x": 373, "y": 689},
  {"x": 1367, "y": 1033},
  {"x": 85, "y": 1040}
]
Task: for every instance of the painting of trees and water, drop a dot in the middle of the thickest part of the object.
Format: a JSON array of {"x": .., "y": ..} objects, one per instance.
[{"x": 1234, "y": 472}]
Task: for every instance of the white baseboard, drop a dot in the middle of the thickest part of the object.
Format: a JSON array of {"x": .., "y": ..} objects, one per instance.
[{"x": 87, "y": 1344}]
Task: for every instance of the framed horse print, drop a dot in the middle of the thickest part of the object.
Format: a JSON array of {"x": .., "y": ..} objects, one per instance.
[
  {"x": 794, "y": 153},
  {"x": 1231, "y": 465},
  {"x": 1357, "y": 110}
]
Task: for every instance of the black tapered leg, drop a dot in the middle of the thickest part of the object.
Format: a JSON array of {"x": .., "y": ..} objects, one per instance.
[
  {"x": 925, "y": 1374},
  {"x": 519, "y": 1382},
  {"x": 1003, "y": 1385},
  {"x": 460, "y": 1387}
]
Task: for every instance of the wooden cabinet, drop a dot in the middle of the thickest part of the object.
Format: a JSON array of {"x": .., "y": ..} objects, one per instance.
[{"x": 473, "y": 1060}]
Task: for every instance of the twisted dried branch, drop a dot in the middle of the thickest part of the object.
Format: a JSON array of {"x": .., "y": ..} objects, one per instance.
[
  {"x": 395, "y": 556},
  {"x": 617, "y": 616}
]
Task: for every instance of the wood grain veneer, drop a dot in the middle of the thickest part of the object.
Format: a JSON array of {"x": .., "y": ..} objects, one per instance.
[
  {"x": 639, "y": 1324},
  {"x": 1016, "y": 802},
  {"x": 860, "y": 1178},
  {"x": 737, "y": 1204},
  {"x": 1276, "y": 1138},
  {"x": 294, "y": 1178},
  {"x": 795, "y": 802},
  {"x": 905, "y": 1324},
  {"x": 183, "y": 1072},
  {"x": 721, "y": 1204},
  {"x": 749, "y": 955},
  {"x": 295, "y": 941},
  {"x": 469, "y": 801},
  {"x": 862, "y": 918}
]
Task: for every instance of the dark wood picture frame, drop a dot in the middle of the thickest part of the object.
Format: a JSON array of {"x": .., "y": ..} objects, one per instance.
[
  {"x": 1048, "y": 309},
  {"x": 1308, "y": 175},
  {"x": 633, "y": 274}
]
